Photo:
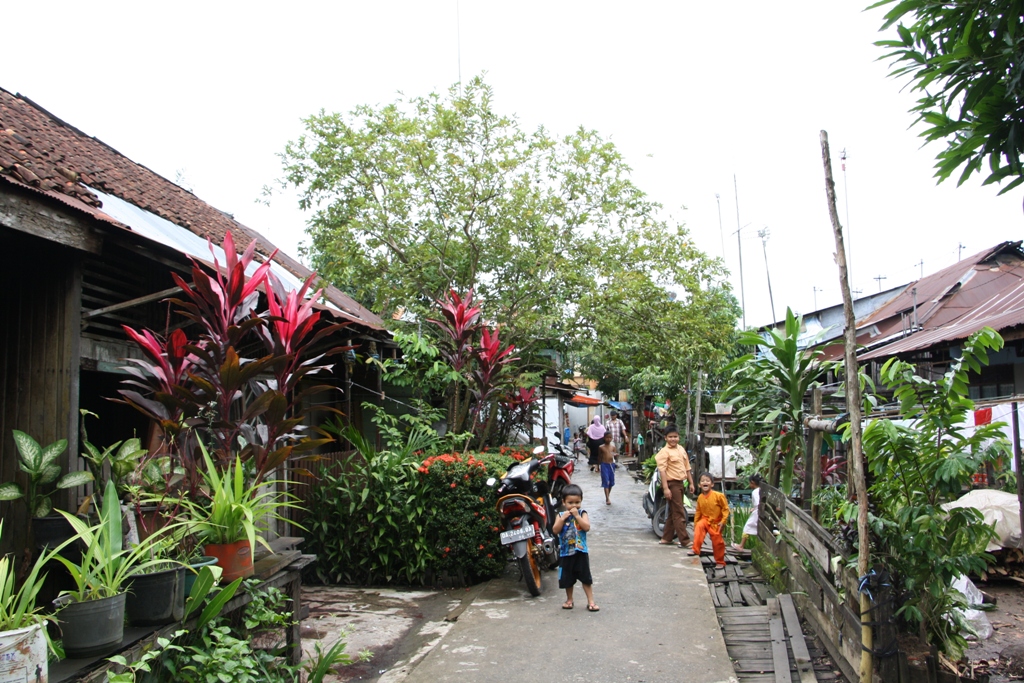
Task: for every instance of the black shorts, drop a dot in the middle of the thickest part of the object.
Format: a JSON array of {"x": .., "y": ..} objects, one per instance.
[{"x": 573, "y": 568}]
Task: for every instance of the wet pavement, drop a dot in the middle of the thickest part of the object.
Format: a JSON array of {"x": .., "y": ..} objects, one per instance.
[{"x": 656, "y": 622}]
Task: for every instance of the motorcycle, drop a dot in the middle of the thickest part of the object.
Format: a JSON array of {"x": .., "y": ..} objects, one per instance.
[
  {"x": 656, "y": 505},
  {"x": 560, "y": 472},
  {"x": 527, "y": 514}
]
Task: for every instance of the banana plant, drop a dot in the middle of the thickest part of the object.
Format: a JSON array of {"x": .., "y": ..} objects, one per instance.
[{"x": 43, "y": 470}]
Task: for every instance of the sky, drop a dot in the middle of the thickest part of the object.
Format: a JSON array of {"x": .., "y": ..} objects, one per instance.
[{"x": 708, "y": 102}]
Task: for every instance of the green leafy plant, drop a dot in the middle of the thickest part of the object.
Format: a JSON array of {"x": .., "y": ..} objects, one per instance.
[
  {"x": 106, "y": 563},
  {"x": 770, "y": 387},
  {"x": 965, "y": 60},
  {"x": 18, "y": 603},
  {"x": 122, "y": 457},
  {"x": 40, "y": 464},
  {"x": 234, "y": 510},
  {"x": 738, "y": 516},
  {"x": 830, "y": 500},
  {"x": 917, "y": 467},
  {"x": 366, "y": 514}
]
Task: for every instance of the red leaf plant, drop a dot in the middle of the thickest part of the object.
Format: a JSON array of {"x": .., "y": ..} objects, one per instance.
[{"x": 204, "y": 388}]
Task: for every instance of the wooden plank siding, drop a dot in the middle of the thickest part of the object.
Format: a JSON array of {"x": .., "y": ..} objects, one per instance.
[{"x": 41, "y": 283}]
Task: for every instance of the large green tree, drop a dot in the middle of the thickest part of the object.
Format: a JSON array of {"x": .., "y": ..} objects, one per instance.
[
  {"x": 966, "y": 58},
  {"x": 438, "y": 193}
]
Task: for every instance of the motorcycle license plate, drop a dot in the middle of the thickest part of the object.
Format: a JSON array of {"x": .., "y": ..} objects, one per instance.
[{"x": 513, "y": 535}]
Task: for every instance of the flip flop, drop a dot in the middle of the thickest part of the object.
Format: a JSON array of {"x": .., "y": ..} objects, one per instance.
[
  {"x": 665, "y": 543},
  {"x": 567, "y": 605},
  {"x": 593, "y": 608}
]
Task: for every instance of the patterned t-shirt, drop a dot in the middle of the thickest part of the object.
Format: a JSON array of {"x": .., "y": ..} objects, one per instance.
[{"x": 571, "y": 539}]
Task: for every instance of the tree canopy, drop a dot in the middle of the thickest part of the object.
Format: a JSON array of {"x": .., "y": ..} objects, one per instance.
[
  {"x": 430, "y": 194},
  {"x": 967, "y": 60}
]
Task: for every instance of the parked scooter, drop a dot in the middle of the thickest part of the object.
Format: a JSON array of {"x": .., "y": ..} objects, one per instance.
[
  {"x": 527, "y": 515},
  {"x": 656, "y": 504}
]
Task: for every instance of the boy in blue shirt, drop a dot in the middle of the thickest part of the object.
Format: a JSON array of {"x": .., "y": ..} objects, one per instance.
[{"x": 572, "y": 526}]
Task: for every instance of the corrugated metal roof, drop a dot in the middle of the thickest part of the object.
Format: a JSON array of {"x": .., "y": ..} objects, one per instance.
[{"x": 986, "y": 290}]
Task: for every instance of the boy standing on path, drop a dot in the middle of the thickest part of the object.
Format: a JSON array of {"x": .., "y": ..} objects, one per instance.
[
  {"x": 607, "y": 456},
  {"x": 712, "y": 511},
  {"x": 572, "y": 527},
  {"x": 674, "y": 466}
]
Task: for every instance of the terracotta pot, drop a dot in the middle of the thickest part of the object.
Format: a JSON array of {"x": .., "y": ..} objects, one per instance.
[{"x": 234, "y": 558}]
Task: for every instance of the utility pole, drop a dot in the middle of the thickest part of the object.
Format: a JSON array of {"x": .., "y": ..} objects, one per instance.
[
  {"x": 921, "y": 263},
  {"x": 739, "y": 229},
  {"x": 816, "y": 290},
  {"x": 763, "y": 234},
  {"x": 959, "y": 250},
  {"x": 879, "y": 279},
  {"x": 721, "y": 231}
]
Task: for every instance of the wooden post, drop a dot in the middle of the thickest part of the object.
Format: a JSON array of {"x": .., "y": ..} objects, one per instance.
[
  {"x": 816, "y": 449},
  {"x": 1016, "y": 463},
  {"x": 689, "y": 392},
  {"x": 696, "y": 410},
  {"x": 853, "y": 405},
  {"x": 805, "y": 488}
]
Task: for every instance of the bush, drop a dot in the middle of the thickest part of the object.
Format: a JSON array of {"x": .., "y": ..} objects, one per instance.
[
  {"x": 366, "y": 517},
  {"x": 463, "y": 526}
]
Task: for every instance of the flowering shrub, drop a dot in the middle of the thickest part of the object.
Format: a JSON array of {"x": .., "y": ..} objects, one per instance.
[{"x": 462, "y": 528}]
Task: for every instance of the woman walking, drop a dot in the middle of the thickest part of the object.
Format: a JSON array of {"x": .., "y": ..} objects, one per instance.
[{"x": 595, "y": 439}]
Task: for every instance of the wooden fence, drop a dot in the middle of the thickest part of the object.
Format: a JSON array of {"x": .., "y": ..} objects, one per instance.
[
  {"x": 813, "y": 569},
  {"x": 810, "y": 565}
]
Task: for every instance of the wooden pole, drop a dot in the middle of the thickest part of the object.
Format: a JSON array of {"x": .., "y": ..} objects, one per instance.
[
  {"x": 816, "y": 452},
  {"x": 853, "y": 405},
  {"x": 1016, "y": 463},
  {"x": 696, "y": 411}
]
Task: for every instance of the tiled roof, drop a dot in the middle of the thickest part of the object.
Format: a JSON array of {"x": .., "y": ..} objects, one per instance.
[{"x": 39, "y": 150}]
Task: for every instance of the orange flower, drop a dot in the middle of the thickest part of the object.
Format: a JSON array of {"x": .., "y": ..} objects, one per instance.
[
  {"x": 453, "y": 484},
  {"x": 481, "y": 547}
]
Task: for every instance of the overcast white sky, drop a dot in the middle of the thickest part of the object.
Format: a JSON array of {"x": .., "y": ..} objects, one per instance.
[{"x": 692, "y": 93}]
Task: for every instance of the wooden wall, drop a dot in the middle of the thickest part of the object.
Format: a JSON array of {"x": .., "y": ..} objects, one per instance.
[{"x": 40, "y": 284}]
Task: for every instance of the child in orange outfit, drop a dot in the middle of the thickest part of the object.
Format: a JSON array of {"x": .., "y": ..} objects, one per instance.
[{"x": 712, "y": 511}]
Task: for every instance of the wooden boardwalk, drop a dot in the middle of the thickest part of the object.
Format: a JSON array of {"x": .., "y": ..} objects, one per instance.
[{"x": 762, "y": 631}]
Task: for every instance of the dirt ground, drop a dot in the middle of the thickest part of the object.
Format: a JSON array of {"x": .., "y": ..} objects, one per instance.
[{"x": 1007, "y": 621}]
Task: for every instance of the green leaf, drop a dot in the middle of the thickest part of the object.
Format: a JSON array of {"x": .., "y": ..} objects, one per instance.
[{"x": 75, "y": 479}]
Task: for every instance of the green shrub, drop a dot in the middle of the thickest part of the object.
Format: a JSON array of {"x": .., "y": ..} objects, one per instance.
[
  {"x": 366, "y": 516},
  {"x": 463, "y": 526}
]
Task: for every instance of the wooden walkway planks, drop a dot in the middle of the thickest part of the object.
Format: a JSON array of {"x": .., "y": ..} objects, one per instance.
[{"x": 766, "y": 642}]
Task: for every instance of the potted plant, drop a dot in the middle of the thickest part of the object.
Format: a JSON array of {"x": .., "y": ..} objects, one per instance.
[
  {"x": 120, "y": 459},
  {"x": 235, "y": 513},
  {"x": 43, "y": 470},
  {"x": 91, "y": 615},
  {"x": 23, "y": 640}
]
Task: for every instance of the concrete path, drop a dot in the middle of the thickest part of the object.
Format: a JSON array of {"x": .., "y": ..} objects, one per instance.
[{"x": 657, "y": 622}]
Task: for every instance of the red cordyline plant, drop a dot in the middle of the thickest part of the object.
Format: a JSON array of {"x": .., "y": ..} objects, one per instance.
[
  {"x": 518, "y": 411},
  {"x": 460, "y": 323},
  {"x": 481, "y": 366},
  {"x": 203, "y": 388}
]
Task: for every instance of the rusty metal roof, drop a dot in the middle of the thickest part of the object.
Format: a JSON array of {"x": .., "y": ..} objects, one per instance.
[
  {"x": 984, "y": 290},
  {"x": 41, "y": 152}
]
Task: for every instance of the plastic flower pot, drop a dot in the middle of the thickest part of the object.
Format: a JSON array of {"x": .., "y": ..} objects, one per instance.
[
  {"x": 92, "y": 628},
  {"x": 234, "y": 558},
  {"x": 156, "y": 598},
  {"x": 23, "y": 654},
  {"x": 192, "y": 571}
]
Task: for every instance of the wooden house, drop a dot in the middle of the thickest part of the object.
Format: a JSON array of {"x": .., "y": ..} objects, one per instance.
[{"x": 89, "y": 239}]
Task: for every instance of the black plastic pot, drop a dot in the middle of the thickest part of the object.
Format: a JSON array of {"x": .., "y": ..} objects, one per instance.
[
  {"x": 93, "y": 628},
  {"x": 50, "y": 532},
  {"x": 156, "y": 598}
]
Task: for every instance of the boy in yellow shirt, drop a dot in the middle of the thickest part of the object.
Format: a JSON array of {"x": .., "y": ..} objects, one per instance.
[{"x": 712, "y": 511}]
